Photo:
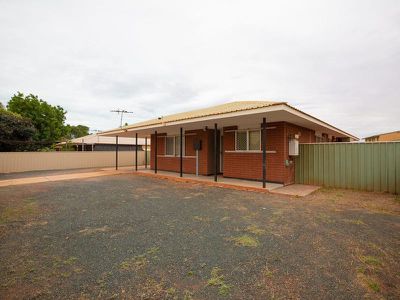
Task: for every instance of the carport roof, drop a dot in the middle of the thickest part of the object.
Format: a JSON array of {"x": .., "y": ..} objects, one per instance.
[{"x": 228, "y": 110}]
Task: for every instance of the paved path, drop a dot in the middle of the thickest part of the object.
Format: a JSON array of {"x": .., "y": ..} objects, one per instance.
[
  {"x": 230, "y": 183},
  {"x": 67, "y": 176}
]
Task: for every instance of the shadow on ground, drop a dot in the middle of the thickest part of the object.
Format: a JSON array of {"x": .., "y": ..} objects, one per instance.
[{"x": 128, "y": 236}]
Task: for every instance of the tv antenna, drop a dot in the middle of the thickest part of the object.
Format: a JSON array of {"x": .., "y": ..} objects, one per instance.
[{"x": 122, "y": 112}]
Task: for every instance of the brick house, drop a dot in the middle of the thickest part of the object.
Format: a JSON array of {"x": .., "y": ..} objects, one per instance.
[
  {"x": 384, "y": 137},
  {"x": 228, "y": 140}
]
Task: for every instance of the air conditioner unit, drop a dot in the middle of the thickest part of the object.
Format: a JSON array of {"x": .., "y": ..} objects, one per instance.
[{"x": 293, "y": 147}]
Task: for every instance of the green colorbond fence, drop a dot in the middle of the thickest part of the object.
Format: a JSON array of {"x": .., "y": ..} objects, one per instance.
[{"x": 361, "y": 166}]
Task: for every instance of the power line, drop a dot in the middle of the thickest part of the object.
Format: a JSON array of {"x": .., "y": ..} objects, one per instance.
[{"x": 122, "y": 112}]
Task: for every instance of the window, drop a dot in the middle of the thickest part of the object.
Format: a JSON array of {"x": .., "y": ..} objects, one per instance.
[
  {"x": 254, "y": 140},
  {"x": 241, "y": 140},
  {"x": 170, "y": 145},
  {"x": 248, "y": 140},
  {"x": 173, "y": 146},
  {"x": 178, "y": 146}
]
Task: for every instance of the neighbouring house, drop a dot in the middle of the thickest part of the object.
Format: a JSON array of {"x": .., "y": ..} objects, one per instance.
[
  {"x": 96, "y": 142},
  {"x": 256, "y": 140},
  {"x": 384, "y": 137}
]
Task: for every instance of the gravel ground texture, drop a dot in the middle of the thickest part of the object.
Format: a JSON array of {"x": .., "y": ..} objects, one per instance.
[{"x": 128, "y": 236}]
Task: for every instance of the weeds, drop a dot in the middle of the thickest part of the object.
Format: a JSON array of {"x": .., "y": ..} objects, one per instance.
[
  {"x": 245, "y": 241},
  {"x": 374, "y": 286},
  {"x": 201, "y": 219},
  {"x": 135, "y": 263},
  {"x": 370, "y": 260},
  {"x": 218, "y": 280},
  {"x": 187, "y": 295},
  {"x": 255, "y": 230},
  {"x": 355, "y": 221},
  {"x": 18, "y": 213},
  {"x": 138, "y": 262}
]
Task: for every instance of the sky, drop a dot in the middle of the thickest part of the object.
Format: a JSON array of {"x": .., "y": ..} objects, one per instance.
[{"x": 336, "y": 60}]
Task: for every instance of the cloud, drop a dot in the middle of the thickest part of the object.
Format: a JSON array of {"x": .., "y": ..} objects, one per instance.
[{"x": 339, "y": 61}]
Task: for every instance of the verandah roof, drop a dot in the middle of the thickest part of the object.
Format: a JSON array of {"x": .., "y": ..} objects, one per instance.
[{"x": 245, "y": 114}]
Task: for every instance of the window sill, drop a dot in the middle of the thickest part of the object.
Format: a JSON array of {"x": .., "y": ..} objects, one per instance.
[
  {"x": 176, "y": 156},
  {"x": 248, "y": 151}
]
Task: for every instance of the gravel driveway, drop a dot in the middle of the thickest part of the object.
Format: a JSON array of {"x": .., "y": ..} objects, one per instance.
[{"x": 128, "y": 236}]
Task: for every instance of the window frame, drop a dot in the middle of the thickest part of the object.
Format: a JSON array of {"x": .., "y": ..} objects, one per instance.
[
  {"x": 247, "y": 140},
  {"x": 173, "y": 152},
  {"x": 175, "y": 138}
]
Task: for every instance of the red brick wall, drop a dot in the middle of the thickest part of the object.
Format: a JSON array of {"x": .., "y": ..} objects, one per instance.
[
  {"x": 168, "y": 163},
  {"x": 246, "y": 165},
  {"x": 306, "y": 136}
]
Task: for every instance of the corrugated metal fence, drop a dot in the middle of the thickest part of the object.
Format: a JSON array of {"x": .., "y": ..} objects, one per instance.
[
  {"x": 361, "y": 166},
  {"x": 32, "y": 161}
]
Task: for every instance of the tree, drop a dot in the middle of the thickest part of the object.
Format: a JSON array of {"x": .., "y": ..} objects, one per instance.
[
  {"x": 47, "y": 122},
  {"x": 72, "y": 132},
  {"x": 16, "y": 132},
  {"x": 47, "y": 119}
]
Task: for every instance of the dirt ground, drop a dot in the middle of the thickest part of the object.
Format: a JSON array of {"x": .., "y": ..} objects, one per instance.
[{"x": 129, "y": 236}]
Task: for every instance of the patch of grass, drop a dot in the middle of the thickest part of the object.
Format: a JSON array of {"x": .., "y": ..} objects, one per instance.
[
  {"x": 374, "y": 286},
  {"x": 245, "y": 241},
  {"x": 138, "y": 262},
  {"x": 355, "y": 221},
  {"x": 201, "y": 219},
  {"x": 267, "y": 273},
  {"x": 224, "y": 219},
  {"x": 153, "y": 251},
  {"x": 79, "y": 270},
  {"x": 151, "y": 289},
  {"x": 171, "y": 292},
  {"x": 88, "y": 231},
  {"x": 19, "y": 212},
  {"x": 65, "y": 274},
  {"x": 250, "y": 216},
  {"x": 325, "y": 218},
  {"x": 255, "y": 230},
  {"x": 218, "y": 280},
  {"x": 361, "y": 270},
  {"x": 187, "y": 295},
  {"x": 276, "y": 216},
  {"x": 224, "y": 290},
  {"x": 70, "y": 261},
  {"x": 135, "y": 263},
  {"x": 370, "y": 260}
]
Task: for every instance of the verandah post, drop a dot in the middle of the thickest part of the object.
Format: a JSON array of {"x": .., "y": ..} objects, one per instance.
[
  {"x": 116, "y": 152},
  {"x": 155, "y": 151},
  {"x": 136, "y": 146},
  {"x": 145, "y": 152},
  {"x": 215, "y": 152},
  {"x": 181, "y": 154},
  {"x": 264, "y": 151}
]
